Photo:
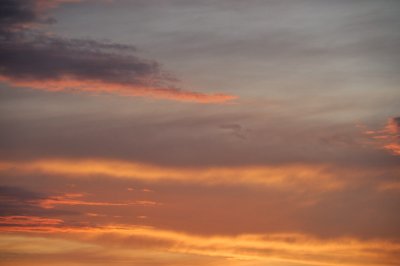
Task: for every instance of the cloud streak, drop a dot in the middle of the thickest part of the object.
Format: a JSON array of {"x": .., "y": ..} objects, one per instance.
[
  {"x": 74, "y": 200},
  {"x": 19, "y": 220},
  {"x": 318, "y": 177}
]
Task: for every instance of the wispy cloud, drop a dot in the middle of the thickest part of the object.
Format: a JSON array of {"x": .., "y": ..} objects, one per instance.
[
  {"x": 316, "y": 176},
  {"x": 20, "y": 220},
  {"x": 75, "y": 199}
]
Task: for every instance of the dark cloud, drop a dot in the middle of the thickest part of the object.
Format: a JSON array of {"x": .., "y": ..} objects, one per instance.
[
  {"x": 31, "y": 59},
  {"x": 16, "y": 193},
  {"x": 29, "y": 55},
  {"x": 14, "y": 13},
  {"x": 17, "y": 201},
  {"x": 396, "y": 123},
  {"x": 44, "y": 58},
  {"x": 32, "y": 56}
]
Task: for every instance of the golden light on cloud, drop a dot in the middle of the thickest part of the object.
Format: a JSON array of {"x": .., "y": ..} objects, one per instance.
[
  {"x": 19, "y": 220},
  {"x": 99, "y": 87},
  {"x": 280, "y": 176},
  {"x": 274, "y": 249},
  {"x": 22, "y": 244},
  {"x": 74, "y": 200}
]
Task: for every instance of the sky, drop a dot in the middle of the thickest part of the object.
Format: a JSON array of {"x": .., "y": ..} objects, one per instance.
[{"x": 204, "y": 133}]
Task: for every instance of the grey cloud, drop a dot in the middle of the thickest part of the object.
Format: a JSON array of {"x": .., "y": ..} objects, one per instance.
[
  {"x": 193, "y": 137},
  {"x": 32, "y": 59},
  {"x": 17, "y": 201},
  {"x": 303, "y": 45},
  {"x": 16, "y": 193},
  {"x": 16, "y": 12},
  {"x": 235, "y": 129},
  {"x": 30, "y": 56},
  {"x": 39, "y": 57}
]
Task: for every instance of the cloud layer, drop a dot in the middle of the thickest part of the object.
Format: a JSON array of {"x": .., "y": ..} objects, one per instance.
[{"x": 303, "y": 170}]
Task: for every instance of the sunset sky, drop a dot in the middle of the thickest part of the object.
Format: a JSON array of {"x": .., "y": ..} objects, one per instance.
[{"x": 200, "y": 132}]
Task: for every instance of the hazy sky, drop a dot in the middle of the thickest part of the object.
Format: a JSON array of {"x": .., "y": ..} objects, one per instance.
[{"x": 212, "y": 132}]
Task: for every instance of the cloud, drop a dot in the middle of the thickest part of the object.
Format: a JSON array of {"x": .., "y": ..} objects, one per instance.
[
  {"x": 389, "y": 186},
  {"x": 359, "y": 208},
  {"x": 235, "y": 130},
  {"x": 393, "y": 133},
  {"x": 28, "y": 221},
  {"x": 74, "y": 200},
  {"x": 319, "y": 177},
  {"x": 285, "y": 248},
  {"x": 17, "y": 13},
  {"x": 33, "y": 129},
  {"x": 22, "y": 206},
  {"x": 20, "y": 14},
  {"x": 25, "y": 250},
  {"x": 388, "y": 138},
  {"x": 32, "y": 59},
  {"x": 17, "y": 201},
  {"x": 19, "y": 194},
  {"x": 393, "y": 126}
]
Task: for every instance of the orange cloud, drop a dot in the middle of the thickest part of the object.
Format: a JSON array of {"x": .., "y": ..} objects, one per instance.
[
  {"x": 258, "y": 249},
  {"x": 387, "y": 186},
  {"x": 389, "y": 137},
  {"x": 314, "y": 176},
  {"x": 92, "y": 86},
  {"x": 73, "y": 200},
  {"x": 20, "y": 220},
  {"x": 393, "y": 147}
]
